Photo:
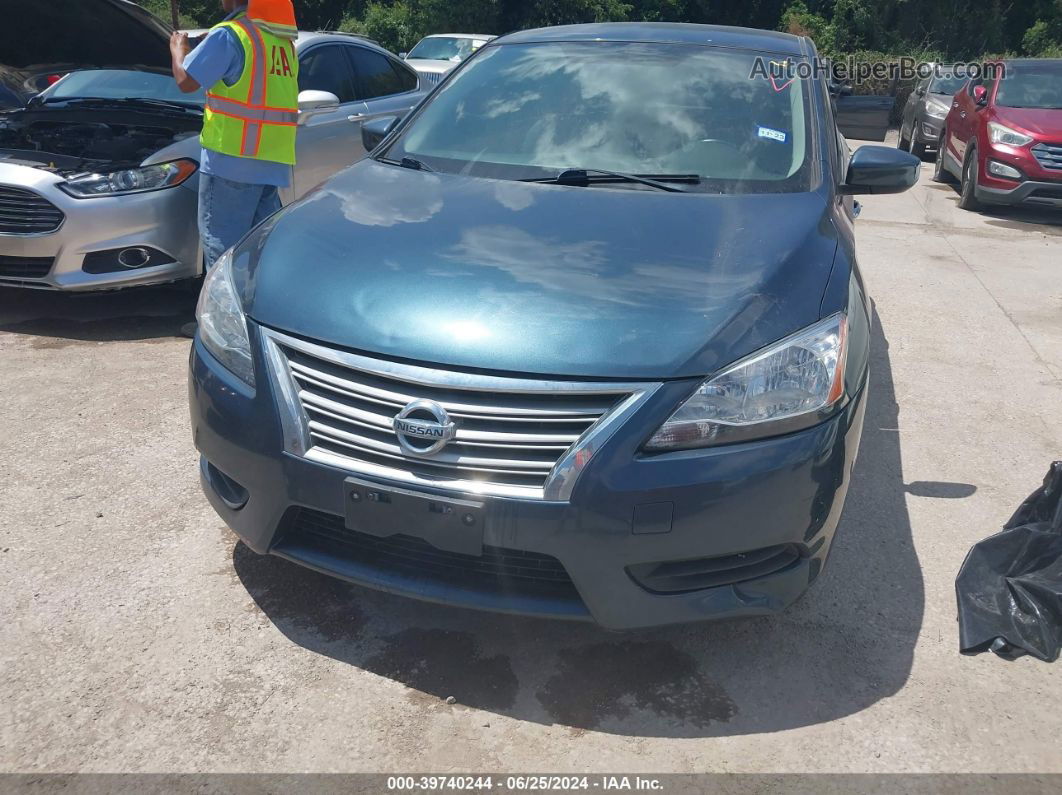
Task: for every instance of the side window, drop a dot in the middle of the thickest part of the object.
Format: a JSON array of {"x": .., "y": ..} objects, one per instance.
[
  {"x": 326, "y": 69},
  {"x": 407, "y": 78},
  {"x": 374, "y": 75},
  {"x": 839, "y": 153}
]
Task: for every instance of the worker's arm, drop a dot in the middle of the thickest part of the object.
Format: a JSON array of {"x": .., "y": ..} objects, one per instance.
[{"x": 179, "y": 49}]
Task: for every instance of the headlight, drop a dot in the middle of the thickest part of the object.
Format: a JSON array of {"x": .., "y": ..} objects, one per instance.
[
  {"x": 222, "y": 325},
  {"x": 131, "y": 180},
  {"x": 936, "y": 110},
  {"x": 998, "y": 134},
  {"x": 793, "y": 384}
]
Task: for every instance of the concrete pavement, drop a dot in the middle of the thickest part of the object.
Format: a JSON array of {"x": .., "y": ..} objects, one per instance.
[{"x": 138, "y": 636}]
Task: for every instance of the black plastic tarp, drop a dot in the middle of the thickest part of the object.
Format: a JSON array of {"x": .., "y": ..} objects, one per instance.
[{"x": 1010, "y": 586}]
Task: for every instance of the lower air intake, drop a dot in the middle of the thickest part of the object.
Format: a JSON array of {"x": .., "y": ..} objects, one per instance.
[
  {"x": 683, "y": 576},
  {"x": 498, "y": 570}
]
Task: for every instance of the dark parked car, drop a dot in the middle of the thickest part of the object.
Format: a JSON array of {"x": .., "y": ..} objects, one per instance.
[
  {"x": 583, "y": 337},
  {"x": 925, "y": 110},
  {"x": 1003, "y": 137}
]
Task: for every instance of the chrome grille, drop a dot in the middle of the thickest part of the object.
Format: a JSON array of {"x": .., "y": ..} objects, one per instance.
[
  {"x": 515, "y": 437},
  {"x": 23, "y": 212},
  {"x": 432, "y": 78},
  {"x": 1049, "y": 155}
]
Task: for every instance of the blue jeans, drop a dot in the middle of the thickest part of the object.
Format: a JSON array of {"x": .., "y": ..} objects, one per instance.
[{"x": 229, "y": 210}]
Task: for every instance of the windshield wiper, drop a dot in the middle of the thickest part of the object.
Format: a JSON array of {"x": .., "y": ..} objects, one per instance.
[
  {"x": 407, "y": 162},
  {"x": 120, "y": 101},
  {"x": 592, "y": 176}
]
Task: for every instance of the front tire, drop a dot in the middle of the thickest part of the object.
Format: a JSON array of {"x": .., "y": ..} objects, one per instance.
[
  {"x": 941, "y": 175},
  {"x": 917, "y": 148},
  {"x": 968, "y": 198},
  {"x": 903, "y": 142}
]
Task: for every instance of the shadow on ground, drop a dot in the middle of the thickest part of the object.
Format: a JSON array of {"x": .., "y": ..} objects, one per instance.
[
  {"x": 1025, "y": 219},
  {"x": 848, "y": 644},
  {"x": 144, "y": 313},
  {"x": 1022, "y": 218}
]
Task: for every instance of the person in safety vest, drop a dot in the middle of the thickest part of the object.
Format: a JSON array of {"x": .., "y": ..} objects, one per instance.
[{"x": 247, "y": 64}]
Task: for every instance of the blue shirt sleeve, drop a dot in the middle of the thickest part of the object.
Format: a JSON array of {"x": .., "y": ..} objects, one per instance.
[{"x": 218, "y": 57}]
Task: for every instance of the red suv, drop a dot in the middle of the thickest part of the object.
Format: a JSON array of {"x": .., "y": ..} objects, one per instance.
[{"x": 1003, "y": 137}]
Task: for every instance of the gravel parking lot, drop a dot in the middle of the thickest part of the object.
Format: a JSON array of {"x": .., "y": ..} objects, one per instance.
[{"x": 139, "y": 636}]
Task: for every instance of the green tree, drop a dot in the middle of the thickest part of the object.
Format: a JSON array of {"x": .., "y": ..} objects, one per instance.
[
  {"x": 955, "y": 29},
  {"x": 1044, "y": 38},
  {"x": 391, "y": 25},
  {"x": 800, "y": 21}
]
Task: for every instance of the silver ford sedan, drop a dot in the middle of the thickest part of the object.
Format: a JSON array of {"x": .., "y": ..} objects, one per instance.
[{"x": 99, "y": 172}]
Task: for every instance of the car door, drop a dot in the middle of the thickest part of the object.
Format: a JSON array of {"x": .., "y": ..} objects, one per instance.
[
  {"x": 910, "y": 110},
  {"x": 386, "y": 85},
  {"x": 865, "y": 117},
  {"x": 961, "y": 121},
  {"x": 330, "y": 140}
]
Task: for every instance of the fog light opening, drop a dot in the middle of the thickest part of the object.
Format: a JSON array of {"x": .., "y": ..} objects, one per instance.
[
  {"x": 997, "y": 169},
  {"x": 136, "y": 257},
  {"x": 231, "y": 493}
]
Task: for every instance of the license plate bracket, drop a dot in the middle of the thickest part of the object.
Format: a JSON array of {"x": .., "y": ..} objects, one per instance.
[{"x": 447, "y": 523}]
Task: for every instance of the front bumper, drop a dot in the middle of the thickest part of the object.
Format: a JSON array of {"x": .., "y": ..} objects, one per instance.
[
  {"x": 163, "y": 221},
  {"x": 786, "y": 492},
  {"x": 1030, "y": 192},
  {"x": 927, "y": 130}
]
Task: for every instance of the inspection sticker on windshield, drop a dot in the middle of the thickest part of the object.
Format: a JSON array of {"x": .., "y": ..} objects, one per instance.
[{"x": 774, "y": 135}]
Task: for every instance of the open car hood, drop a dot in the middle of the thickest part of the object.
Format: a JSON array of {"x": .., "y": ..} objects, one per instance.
[{"x": 85, "y": 33}]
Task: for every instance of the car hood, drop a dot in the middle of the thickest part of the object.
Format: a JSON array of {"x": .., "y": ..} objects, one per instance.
[
  {"x": 70, "y": 138},
  {"x": 85, "y": 33},
  {"x": 516, "y": 277},
  {"x": 1046, "y": 122},
  {"x": 430, "y": 65}
]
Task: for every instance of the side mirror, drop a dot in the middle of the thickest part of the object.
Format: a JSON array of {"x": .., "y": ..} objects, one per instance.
[
  {"x": 372, "y": 132},
  {"x": 311, "y": 102},
  {"x": 921, "y": 91},
  {"x": 403, "y": 55},
  {"x": 980, "y": 95},
  {"x": 880, "y": 169}
]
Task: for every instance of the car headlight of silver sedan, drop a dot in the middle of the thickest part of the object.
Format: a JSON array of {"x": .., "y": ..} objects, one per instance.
[
  {"x": 937, "y": 110},
  {"x": 130, "y": 180},
  {"x": 222, "y": 324},
  {"x": 790, "y": 385}
]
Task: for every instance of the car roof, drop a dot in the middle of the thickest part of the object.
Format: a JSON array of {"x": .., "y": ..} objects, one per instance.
[
  {"x": 477, "y": 36},
  {"x": 308, "y": 37},
  {"x": 664, "y": 32}
]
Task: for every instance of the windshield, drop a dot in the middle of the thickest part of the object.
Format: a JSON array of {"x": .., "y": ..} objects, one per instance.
[
  {"x": 120, "y": 84},
  {"x": 946, "y": 84},
  {"x": 526, "y": 111},
  {"x": 1031, "y": 86},
  {"x": 443, "y": 48}
]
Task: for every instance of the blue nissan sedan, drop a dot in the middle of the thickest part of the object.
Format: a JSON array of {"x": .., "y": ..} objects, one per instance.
[{"x": 583, "y": 336}]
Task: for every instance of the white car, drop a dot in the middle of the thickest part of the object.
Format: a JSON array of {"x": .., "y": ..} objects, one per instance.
[{"x": 437, "y": 54}]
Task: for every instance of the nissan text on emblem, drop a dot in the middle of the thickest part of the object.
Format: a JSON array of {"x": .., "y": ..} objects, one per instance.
[{"x": 424, "y": 428}]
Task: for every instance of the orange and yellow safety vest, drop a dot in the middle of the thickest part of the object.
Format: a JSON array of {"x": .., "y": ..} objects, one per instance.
[{"x": 257, "y": 116}]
